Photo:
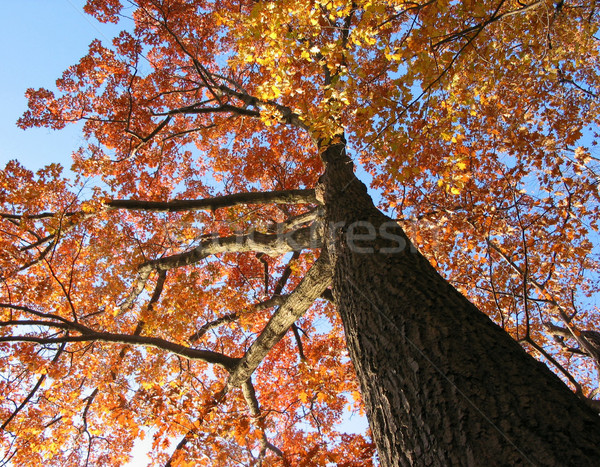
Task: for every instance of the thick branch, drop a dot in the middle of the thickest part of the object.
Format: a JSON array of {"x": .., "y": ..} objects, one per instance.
[
  {"x": 314, "y": 283},
  {"x": 306, "y": 196},
  {"x": 589, "y": 340},
  {"x": 271, "y": 244},
  {"x": 557, "y": 330},
  {"x": 225, "y": 108},
  {"x": 207, "y": 356},
  {"x": 257, "y": 197},
  {"x": 287, "y": 115},
  {"x": 254, "y": 408},
  {"x": 297, "y": 221}
]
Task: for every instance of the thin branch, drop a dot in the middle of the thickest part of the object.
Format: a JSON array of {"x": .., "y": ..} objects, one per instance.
[
  {"x": 32, "y": 392},
  {"x": 228, "y": 318},
  {"x": 218, "y": 398},
  {"x": 285, "y": 275},
  {"x": 584, "y": 343},
  {"x": 41, "y": 215},
  {"x": 496, "y": 16},
  {"x": 26, "y": 309},
  {"x": 476, "y": 30}
]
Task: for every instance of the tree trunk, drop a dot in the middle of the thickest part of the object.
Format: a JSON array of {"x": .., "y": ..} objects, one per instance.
[{"x": 442, "y": 384}]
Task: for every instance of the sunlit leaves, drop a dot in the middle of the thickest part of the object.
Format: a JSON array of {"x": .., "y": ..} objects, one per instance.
[{"x": 477, "y": 120}]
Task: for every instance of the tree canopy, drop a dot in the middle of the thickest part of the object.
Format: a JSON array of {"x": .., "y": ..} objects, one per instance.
[{"x": 155, "y": 284}]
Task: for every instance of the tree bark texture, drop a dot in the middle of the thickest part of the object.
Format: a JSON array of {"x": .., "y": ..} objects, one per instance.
[{"x": 442, "y": 384}]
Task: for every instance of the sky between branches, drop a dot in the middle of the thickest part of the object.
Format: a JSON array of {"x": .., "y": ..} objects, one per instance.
[{"x": 40, "y": 40}]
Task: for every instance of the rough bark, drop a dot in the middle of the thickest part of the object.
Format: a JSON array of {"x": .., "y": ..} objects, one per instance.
[{"x": 442, "y": 384}]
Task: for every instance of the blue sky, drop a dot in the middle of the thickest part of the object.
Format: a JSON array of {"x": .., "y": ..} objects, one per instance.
[{"x": 40, "y": 39}]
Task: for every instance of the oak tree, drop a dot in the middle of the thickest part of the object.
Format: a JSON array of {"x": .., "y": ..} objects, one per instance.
[{"x": 200, "y": 273}]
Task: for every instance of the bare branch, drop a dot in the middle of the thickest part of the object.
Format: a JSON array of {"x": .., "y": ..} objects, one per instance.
[
  {"x": 212, "y": 204},
  {"x": 271, "y": 244},
  {"x": 207, "y": 356},
  {"x": 254, "y": 408},
  {"x": 297, "y": 221},
  {"x": 314, "y": 283},
  {"x": 300, "y": 196}
]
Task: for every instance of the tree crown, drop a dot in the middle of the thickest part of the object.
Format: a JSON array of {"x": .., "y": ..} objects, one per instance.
[{"x": 204, "y": 124}]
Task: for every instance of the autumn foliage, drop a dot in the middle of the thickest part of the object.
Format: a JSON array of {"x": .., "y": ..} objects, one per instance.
[{"x": 132, "y": 287}]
